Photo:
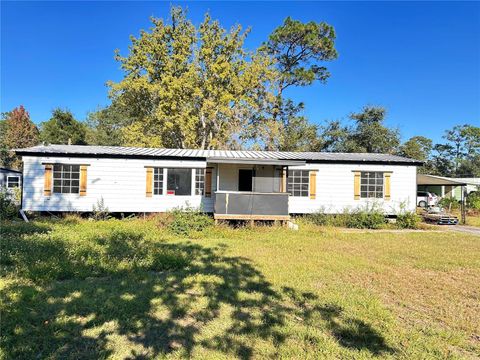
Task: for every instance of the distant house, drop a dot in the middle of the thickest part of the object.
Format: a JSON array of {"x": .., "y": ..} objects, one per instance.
[
  {"x": 10, "y": 178},
  {"x": 229, "y": 184}
]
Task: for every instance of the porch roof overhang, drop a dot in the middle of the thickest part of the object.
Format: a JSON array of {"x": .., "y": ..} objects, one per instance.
[
  {"x": 279, "y": 162},
  {"x": 423, "y": 179}
]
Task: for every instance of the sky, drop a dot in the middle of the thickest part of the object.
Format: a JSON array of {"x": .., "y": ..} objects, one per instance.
[{"x": 420, "y": 60}]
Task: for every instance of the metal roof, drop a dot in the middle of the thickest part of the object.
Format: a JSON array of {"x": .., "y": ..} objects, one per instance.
[
  {"x": 210, "y": 155},
  {"x": 424, "y": 179}
]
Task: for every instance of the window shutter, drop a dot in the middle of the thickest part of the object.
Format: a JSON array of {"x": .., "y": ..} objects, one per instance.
[
  {"x": 387, "y": 186},
  {"x": 356, "y": 185},
  {"x": 47, "y": 188},
  {"x": 149, "y": 188},
  {"x": 208, "y": 182},
  {"x": 83, "y": 180},
  {"x": 313, "y": 184}
]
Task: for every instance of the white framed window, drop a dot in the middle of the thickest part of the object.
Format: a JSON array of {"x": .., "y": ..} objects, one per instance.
[
  {"x": 66, "y": 179},
  {"x": 158, "y": 181},
  {"x": 199, "y": 181},
  {"x": 371, "y": 184},
  {"x": 13, "y": 181},
  {"x": 298, "y": 182}
]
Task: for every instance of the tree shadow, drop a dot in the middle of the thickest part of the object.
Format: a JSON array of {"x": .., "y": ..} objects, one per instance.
[
  {"x": 350, "y": 332},
  {"x": 160, "y": 312}
]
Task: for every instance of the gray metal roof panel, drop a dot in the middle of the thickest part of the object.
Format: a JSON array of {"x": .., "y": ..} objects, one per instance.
[{"x": 225, "y": 154}]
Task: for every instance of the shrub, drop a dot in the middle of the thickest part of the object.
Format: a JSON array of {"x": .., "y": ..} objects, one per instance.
[
  {"x": 407, "y": 220},
  {"x": 100, "y": 210},
  {"x": 473, "y": 200},
  {"x": 449, "y": 203},
  {"x": 9, "y": 203},
  {"x": 367, "y": 218},
  {"x": 184, "y": 221},
  {"x": 320, "y": 218}
]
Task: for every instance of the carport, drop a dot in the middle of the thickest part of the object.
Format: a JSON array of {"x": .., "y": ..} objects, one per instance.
[{"x": 433, "y": 180}]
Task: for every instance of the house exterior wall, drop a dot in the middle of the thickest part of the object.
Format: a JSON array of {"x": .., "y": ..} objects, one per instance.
[
  {"x": 122, "y": 185},
  {"x": 120, "y": 182},
  {"x": 335, "y": 189}
]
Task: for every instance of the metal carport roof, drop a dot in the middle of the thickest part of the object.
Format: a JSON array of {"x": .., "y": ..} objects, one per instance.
[{"x": 424, "y": 179}]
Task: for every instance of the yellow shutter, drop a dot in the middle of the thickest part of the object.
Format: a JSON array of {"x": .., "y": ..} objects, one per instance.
[
  {"x": 47, "y": 188},
  {"x": 387, "y": 186},
  {"x": 208, "y": 182},
  {"x": 83, "y": 180},
  {"x": 356, "y": 185},
  {"x": 149, "y": 187},
  {"x": 313, "y": 184}
]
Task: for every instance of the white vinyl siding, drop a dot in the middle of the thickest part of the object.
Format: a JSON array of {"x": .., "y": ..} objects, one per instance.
[{"x": 119, "y": 182}]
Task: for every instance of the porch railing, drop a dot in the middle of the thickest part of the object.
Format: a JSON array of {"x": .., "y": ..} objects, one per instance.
[{"x": 251, "y": 205}]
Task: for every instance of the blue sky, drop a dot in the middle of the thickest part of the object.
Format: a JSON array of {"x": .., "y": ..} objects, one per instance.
[{"x": 421, "y": 60}]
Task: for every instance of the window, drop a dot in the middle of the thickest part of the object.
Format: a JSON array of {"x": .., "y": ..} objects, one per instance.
[
  {"x": 158, "y": 181},
  {"x": 66, "y": 179},
  {"x": 13, "y": 181},
  {"x": 199, "y": 181},
  {"x": 179, "y": 181},
  {"x": 371, "y": 185},
  {"x": 298, "y": 182}
]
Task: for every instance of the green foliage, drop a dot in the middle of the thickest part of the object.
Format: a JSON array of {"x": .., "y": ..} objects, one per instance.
[
  {"x": 16, "y": 131},
  {"x": 9, "y": 203},
  {"x": 47, "y": 252},
  {"x": 370, "y": 134},
  {"x": 185, "y": 221},
  {"x": 104, "y": 126},
  {"x": 417, "y": 147},
  {"x": 62, "y": 128},
  {"x": 367, "y": 218},
  {"x": 100, "y": 210},
  {"x": 473, "y": 200},
  {"x": 298, "y": 49},
  {"x": 407, "y": 220},
  {"x": 449, "y": 203},
  {"x": 189, "y": 87}
]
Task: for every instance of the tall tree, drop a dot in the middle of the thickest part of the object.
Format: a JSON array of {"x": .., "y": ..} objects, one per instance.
[
  {"x": 417, "y": 147},
  {"x": 104, "y": 126},
  {"x": 18, "y": 131},
  {"x": 300, "y": 51},
  {"x": 189, "y": 87},
  {"x": 370, "y": 133},
  {"x": 62, "y": 128}
]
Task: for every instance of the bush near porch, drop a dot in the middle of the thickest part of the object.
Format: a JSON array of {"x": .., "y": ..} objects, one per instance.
[{"x": 76, "y": 288}]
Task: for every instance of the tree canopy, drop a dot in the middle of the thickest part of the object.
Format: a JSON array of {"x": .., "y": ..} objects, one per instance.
[
  {"x": 16, "y": 131},
  {"x": 62, "y": 128}
]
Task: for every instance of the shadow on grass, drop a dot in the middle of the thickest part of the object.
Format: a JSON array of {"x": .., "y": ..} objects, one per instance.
[{"x": 158, "y": 312}]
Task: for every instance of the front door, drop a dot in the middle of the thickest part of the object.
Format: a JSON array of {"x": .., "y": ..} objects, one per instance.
[{"x": 245, "y": 177}]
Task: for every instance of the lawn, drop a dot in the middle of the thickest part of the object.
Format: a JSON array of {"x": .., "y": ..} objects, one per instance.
[{"x": 129, "y": 289}]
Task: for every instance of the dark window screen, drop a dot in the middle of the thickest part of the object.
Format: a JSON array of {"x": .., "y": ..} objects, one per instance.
[{"x": 179, "y": 181}]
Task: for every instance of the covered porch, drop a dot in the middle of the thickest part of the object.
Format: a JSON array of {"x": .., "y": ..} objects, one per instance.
[{"x": 251, "y": 189}]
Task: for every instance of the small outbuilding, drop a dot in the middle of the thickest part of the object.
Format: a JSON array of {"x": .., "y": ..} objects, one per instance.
[{"x": 10, "y": 178}]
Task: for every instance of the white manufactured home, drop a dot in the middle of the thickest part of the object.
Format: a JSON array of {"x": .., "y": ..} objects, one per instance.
[{"x": 229, "y": 184}]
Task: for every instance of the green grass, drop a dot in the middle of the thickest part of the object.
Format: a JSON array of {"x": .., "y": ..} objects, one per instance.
[{"x": 129, "y": 289}]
